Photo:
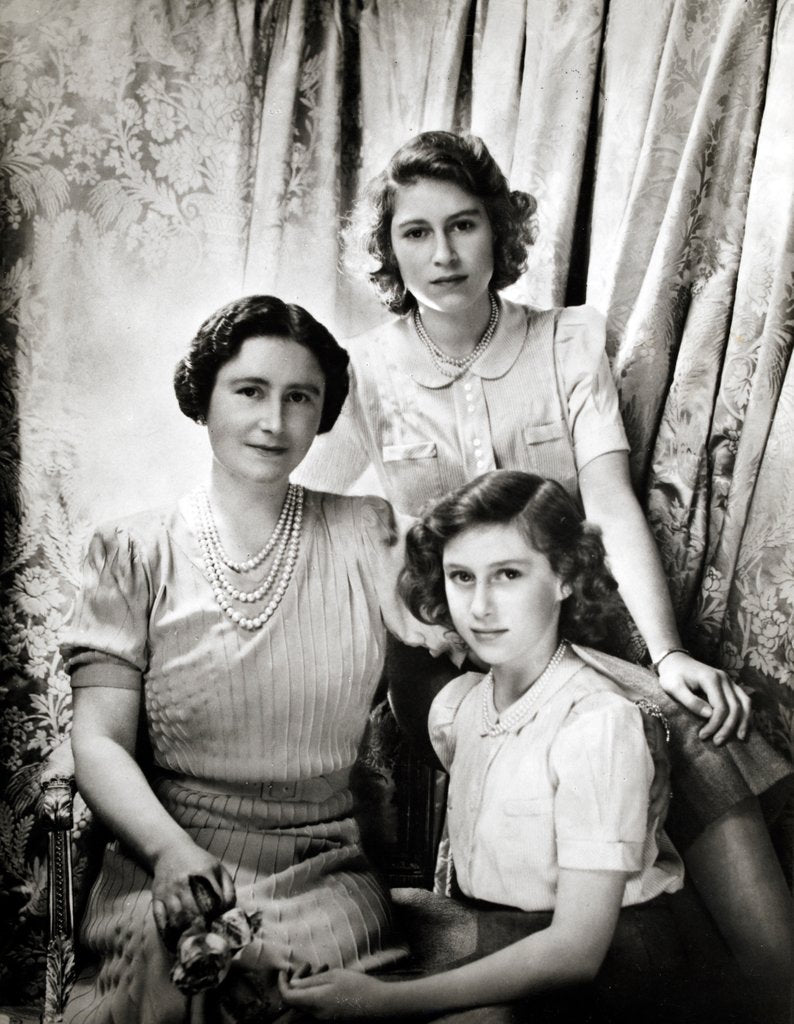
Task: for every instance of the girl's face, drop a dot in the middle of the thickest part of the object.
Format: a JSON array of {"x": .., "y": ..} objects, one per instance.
[
  {"x": 443, "y": 242},
  {"x": 503, "y": 595},
  {"x": 265, "y": 409}
]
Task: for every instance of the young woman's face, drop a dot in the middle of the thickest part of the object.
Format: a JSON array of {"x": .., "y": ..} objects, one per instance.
[
  {"x": 443, "y": 243},
  {"x": 503, "y": 595},
  {"x": 265, "y": 409}
]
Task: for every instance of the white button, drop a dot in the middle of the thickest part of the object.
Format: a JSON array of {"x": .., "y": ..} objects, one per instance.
[
  {"x": 480, "y": 464},
  {"x": 476, "y": 442},
  {"x": 467, "y": 385},
  {"x": 470, "y": 408}
]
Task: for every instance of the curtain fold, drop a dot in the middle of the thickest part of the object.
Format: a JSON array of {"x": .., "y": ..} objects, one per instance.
[
  {"x": 292, "y": 234},
  {"x": 549, "y": 53},
  {"x": 673, "y": 276},
  {"x": 746, "y": 602}
]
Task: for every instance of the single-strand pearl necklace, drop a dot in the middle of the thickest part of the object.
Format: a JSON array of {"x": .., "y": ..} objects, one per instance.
[
  {"x": 454, "y": 366},
  {"x": 221, "y": 586},
  {"x": 517, "y": 711}
]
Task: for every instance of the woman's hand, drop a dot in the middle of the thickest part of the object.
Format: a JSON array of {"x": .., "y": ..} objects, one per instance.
[
  {"x": 726, "y": 706},
  {"x": 338, "y": 993},
  {"x": 188, "y": 883}
]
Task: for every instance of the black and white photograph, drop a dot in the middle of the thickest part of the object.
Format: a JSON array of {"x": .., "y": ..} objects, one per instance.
[{"x": 397, "y": 496}]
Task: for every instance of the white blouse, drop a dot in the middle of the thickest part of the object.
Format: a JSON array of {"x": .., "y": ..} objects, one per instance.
[
  {"x": 565, "y": 786},
  {"x": 540, "y": 398}
]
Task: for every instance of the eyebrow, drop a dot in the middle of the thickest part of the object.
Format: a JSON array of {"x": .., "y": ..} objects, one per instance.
[
  {"x": 491, "y": 565},
  {"x": 303, "y": 385},
  {"x": 473, "y": 212}
]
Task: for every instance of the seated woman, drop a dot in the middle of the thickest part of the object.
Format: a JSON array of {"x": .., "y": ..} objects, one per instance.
[
  {"x": 244, "y": 630},
  {"x": 555, "y": 824}
]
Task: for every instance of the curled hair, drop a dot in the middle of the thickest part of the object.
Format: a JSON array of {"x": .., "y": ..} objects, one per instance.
[
  {"x": 465, "y": 161},
  {"x": 219, "y": 339},
  {"x": 552, "y": 523}
]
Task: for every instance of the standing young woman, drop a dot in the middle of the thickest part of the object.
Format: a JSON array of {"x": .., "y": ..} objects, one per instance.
[
  {"x": 465, "y": 381},
  {"x": 243, "y": 630}
]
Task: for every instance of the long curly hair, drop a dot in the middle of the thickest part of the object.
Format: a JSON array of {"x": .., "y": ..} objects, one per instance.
[
  {"x": 552, "y": 523},
  {"x": 219, "y": 339},
  {"x": 463, "y": 160}
]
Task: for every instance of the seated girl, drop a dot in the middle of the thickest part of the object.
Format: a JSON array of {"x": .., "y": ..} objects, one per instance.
[{"x": 552, "y": 809}]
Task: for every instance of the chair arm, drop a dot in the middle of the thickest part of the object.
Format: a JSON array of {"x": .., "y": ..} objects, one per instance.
[{"x": 58, "y": 786}]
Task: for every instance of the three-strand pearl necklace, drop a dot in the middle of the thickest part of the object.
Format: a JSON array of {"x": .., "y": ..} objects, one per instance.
[
  {"x": 517, "y": 711},
  {"x": 454, "y": 366},
  {"x": 285, "y": 539}
]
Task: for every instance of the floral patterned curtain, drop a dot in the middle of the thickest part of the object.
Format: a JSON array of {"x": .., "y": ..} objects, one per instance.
[{"x": 162, "y": 156}]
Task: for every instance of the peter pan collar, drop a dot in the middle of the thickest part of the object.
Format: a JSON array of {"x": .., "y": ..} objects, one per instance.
[{"x": 413, "y": 359}]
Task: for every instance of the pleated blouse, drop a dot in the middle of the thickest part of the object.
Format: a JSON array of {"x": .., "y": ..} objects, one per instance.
[{"x": 283, "y": 703}]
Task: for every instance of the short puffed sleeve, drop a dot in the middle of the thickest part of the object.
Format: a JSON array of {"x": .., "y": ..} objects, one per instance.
[
  {"x": 108, "y": 627},
  {"x": 603, "y": 772},
  {"x": 442, "y": 718},
  {"x": 593, "y": 409},
  {"x": 381, "y": 536}
]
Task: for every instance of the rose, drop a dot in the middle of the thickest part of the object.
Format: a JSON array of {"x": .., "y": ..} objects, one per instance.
[
  {"x": 204, "y": 955},
  {"x": 203, "y": 959}
]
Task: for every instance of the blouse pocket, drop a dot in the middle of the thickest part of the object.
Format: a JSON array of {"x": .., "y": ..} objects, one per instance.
[
  {"x": 412, "y": 474},
  {"x": 420, "y": 450},
  {"x": 518, "y": 808},
  {"x": 549, "y": 451}
]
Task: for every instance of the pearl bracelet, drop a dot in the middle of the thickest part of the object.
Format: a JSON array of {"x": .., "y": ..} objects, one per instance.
[{"x": 666, "y": 654}]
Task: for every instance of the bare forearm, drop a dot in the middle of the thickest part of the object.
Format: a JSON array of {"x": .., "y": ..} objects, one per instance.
[
  {"x": 534, "y": 964},
  {"x": 635, "y": 563},
  {"x": 116, "y": 789}
]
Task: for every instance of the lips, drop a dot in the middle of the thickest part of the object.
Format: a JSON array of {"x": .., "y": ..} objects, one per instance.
[
  {"x": 266, "y": 449},
  {"x": 488, "y": 634},
  {"x": 451, "y": 279}
]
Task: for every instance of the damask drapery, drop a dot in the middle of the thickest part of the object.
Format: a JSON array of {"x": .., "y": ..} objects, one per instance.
[{"x": 163, "y": 156}]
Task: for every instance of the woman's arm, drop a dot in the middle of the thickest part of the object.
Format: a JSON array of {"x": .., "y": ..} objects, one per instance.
[
  {"x": 113, "y": 785},
  {"x": 610, "y": 503},
  {"x": 568, "y": 952}
]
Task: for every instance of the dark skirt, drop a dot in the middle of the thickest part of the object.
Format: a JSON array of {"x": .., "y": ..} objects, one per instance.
[{"x": 666, "y": 962}]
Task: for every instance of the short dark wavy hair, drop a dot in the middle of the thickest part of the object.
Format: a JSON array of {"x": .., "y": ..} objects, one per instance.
[
  {"x": 551, "y": 521},
  {"x": 442, "y": 156},
  {"x": 219, "y": 339}
]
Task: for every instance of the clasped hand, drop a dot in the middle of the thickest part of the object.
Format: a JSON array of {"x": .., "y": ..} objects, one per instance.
[
  {"x": 726, "y": 706},
  {"x": 343, "y": 993},
  {"x": 188, "y": 883}
]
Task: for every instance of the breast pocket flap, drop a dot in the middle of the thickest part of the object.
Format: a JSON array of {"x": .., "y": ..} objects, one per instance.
[
  {"x": 537, "y": 433},
  {"x": 419, "y": 450}
]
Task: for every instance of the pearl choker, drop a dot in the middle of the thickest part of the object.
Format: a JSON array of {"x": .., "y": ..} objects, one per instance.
[
  {"x": 454, "y": 366},
  {"x": 286, "y": 534},
  {"x": 518, "y": 710}
]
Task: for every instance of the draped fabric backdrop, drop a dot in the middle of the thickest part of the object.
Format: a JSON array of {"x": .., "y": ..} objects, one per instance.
[{"x": 163, "y": 156}]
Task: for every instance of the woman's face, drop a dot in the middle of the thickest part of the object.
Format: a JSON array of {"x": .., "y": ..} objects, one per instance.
[
  {"x": 265, "y": 409},
  {"x": 503, "y": 595},
  {"x": 443, "y": 243}
]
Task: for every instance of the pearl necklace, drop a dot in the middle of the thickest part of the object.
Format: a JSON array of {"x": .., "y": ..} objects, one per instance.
[
  {"x": 257, "y": 559},
  {"x": 221, "y": 587},
  {"x": 517, "y": 711},
  {"x": 454, "y": 366}
]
